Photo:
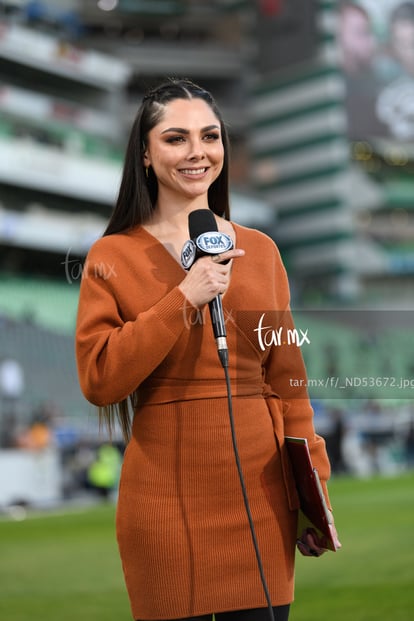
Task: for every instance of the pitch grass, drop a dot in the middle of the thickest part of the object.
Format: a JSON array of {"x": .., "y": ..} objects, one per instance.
[
  {"x": 372, "y": 576},
  {"x": 65, "y": 567}
]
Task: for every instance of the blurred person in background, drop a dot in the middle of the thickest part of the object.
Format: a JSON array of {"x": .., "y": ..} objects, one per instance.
[
  {"x": 396, "y": 69},
  {"x": 103, "y": 473},
  {"x": 356, "y": 39},
  {"x": 335, "y": 441},
  {"x": 146, "y": 351},
  {"x": 38, "y": 435},
  {"x": 398, "y": 56},
  {"x": 358, "y": 49},
  {"x": 409, "y": 445},
  {"x": 12, "y": 385}
]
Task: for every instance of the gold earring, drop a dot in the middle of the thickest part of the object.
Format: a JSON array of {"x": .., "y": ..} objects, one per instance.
[{"x": 146, "y": 171}]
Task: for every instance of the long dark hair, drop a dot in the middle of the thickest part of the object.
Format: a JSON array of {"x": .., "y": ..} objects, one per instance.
[
  {"x": 138, "y": 190},
  {"x": 138, "y": 194}
]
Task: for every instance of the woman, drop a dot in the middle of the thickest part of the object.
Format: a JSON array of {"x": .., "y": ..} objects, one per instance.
[{"x": 145, "y": 347}]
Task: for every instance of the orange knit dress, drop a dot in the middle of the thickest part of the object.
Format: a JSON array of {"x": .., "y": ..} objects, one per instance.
[{"x": 182, "y": 528}]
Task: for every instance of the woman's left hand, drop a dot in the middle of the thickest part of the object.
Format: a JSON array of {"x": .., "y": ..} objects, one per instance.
[{"x": 309, "y": 544}]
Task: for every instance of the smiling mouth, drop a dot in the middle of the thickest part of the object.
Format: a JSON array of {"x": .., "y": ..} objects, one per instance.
[{"x": 193, "y": 171}]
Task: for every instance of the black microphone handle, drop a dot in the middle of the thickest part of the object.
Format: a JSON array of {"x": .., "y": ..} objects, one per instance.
[
  {"x": 219, "y": 329},
  {"x": 217, "y": 317}
]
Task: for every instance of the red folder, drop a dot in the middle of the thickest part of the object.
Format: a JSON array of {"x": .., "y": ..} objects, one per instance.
[{"x": 314, "y": 512}]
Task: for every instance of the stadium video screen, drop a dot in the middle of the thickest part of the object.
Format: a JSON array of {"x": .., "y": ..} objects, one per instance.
[{"x": 376, "y": 43}]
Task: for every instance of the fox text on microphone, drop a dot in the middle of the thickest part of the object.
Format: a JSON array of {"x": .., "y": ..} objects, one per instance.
[{"x": 209, "y": 243}]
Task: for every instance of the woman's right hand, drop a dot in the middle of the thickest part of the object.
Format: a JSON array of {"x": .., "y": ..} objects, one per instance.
[{"x": 209, "y": 277}]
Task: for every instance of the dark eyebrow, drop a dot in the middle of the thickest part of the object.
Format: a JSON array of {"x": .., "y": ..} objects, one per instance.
[{"x": 181, "y": 130}]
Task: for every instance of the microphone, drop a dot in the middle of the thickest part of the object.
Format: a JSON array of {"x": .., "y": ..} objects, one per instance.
[{"x": 205, "y": 239}]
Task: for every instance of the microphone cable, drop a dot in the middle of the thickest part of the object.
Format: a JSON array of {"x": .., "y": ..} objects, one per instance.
[
  {"x": 206, "y": 239},
  {"x": 223, "y": 355}
]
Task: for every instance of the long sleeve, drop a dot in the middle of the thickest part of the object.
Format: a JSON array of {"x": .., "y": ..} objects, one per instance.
[
  {"x": 124, "y": 329},
  {"x": 286, "y": 376}
]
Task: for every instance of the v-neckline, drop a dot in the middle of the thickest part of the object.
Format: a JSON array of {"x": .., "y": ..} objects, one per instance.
[
  {"x": 163, "y": 247},
  {"x": 169, "y": 254}
]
